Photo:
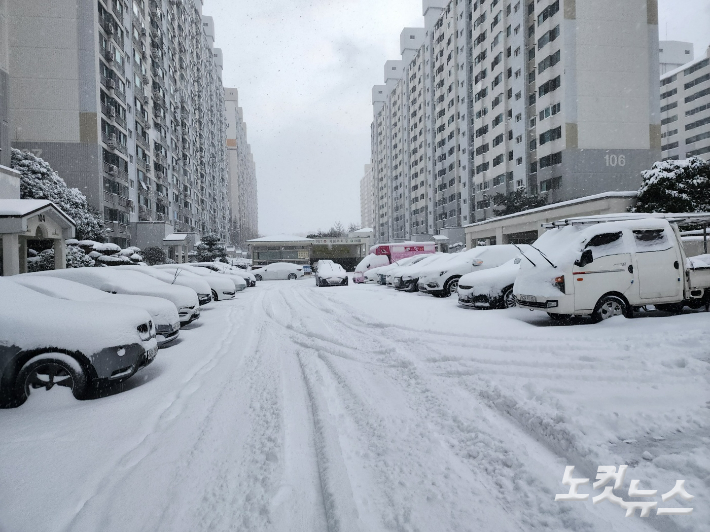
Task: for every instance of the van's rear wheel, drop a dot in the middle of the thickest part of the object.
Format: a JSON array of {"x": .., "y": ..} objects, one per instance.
[{"x": 609, "y": 306}]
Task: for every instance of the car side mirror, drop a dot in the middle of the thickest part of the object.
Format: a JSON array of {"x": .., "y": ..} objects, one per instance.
[{"x": 586, "y": 258}]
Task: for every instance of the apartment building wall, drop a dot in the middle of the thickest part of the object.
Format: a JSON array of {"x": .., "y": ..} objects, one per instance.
[
  {"x": 685, "y": 110},
  {"x": 4, "y": 87},
  {"x": 125, "y": 101},
  {"x": 367, "y": 198},
  {"x": 244, "y": 223},
  {"x": 555, "y": 97},
  {"x": 673, "y": 54}
]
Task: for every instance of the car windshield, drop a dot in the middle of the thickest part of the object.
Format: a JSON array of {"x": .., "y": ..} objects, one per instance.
[{"x": 354, "y": 265}]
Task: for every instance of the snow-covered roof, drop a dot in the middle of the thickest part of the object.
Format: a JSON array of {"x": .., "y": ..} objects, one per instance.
[
  {"x": 585, "y": 199},
  {"x": 19, "y": 208},
  {"x": 176, "y": 237},
  {"x": 281, "y": 238}
]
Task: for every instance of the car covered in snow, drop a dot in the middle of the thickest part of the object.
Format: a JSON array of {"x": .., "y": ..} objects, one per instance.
[
  {"x": 162, "y": 312},
  {"x": 237, "y": 280},
  {"x": 221, "y": 287},
  {"x": 385, "y": 272},
  {"x": 49, "y": 344},
  {"x": 406, "y": 277},
  {"x": 329, "y": 273},
  {"x": 368, "y": 263},
  {"x": 199, "y": 285},
  {"x": 488, "y": 289},
  {"x": 226, "y": 269},
  {"x": 117, "y": 281},
  {"x": 278, "y": 270},
  {"x": 441, "y": 279}
]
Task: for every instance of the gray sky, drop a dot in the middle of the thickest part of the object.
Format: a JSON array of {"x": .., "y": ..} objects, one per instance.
[{"x": 305, "y": 69}]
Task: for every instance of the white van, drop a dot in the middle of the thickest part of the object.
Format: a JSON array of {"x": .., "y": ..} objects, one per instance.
[{"x": 603, "y": 269}]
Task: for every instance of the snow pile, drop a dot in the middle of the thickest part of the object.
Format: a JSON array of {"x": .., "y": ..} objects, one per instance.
[{"x": 699, "y": 262}]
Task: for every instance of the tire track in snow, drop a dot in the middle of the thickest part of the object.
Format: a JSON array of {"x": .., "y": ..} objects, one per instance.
[{"x": 163, "y": 418}]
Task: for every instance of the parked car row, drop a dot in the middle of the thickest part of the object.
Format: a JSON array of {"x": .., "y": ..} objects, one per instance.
[
  {"x": 600, "y": 266},
  {"x": 84, "y": 328}
]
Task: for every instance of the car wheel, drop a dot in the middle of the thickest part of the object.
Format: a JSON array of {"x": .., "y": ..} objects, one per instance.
[
  {"x": 451, "y": 287},
  {"x": 609, "y": 306},
  {"x": 509, "y": 300},
  {"x": 292, "y": 276},
  {"x": 257, "y": 277},
  {"x": 46, "y": 372},
  {"x": 214, "y": 295}
]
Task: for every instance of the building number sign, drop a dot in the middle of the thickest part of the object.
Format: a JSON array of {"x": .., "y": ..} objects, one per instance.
[{"x": 614, "y": 160}]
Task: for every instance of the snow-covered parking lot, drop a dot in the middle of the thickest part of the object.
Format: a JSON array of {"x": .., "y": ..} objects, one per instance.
[{"x": 297, "y": 408}]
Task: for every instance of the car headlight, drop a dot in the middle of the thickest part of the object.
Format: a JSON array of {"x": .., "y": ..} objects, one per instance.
[
  {"x": 184, "y": 311},
  {"x": 559, "y": 283},
  {"x": 146, "y": 331},
  {"x": 477, "y": 262}
]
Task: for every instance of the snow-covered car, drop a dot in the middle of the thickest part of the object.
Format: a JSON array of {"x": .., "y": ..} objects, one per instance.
[
  {"x": 406, "y": 277},
  {"x": 369, "y": 262},
  {"x": 221, "y": 287},
  {"x": 492, "y": 288},
  {"x": 162, "y": 312},
  {"x": 117, "y": 281},
  {"x": 329, "y": 273},
  {"x": 197, "y": 283},
  {"x": 372, "y": 276},
  {"x": 441, "y": 279},
  {"x": 47, "y": 342},
  {"x": 384, "y": 271},
  {"x": 221, "y": 267},
  {"x": 278, "y": 270}
]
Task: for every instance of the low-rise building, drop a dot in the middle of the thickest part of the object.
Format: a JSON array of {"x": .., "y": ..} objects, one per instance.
[{"x": 280, "y": 248}]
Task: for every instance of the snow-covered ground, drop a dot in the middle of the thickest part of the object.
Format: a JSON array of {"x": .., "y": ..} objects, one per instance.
[{"x": 296, "y": 408}]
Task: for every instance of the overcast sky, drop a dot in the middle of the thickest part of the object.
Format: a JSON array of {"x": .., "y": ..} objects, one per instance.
[{"x": 305, "y": 69}]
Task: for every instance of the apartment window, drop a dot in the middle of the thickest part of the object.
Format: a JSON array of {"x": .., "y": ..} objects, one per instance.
[
  {"x": 550, "y": 110},
  {"x": 518, "y": 94},
  {"x": 517, "y": 52},
  {"x": 549, "y": 61},
  {"x": 549, "y": 36},
  {"x": 551, "y": 160},
  {"x": 497, "y": 120},
  {"x": 697, "y": 81},
  {"x": 697, "y": 95},
  {"x": 550, "y": 135},
  {"x": 548, "y": 12},
  {"x": 670, "y": 106},
  {"x": 549, "y": 86},
  {"x": 696, "y": 138},
  {"x": 532, "y": 122},
  {"x": 533, "y": 145},
  {"x": 550, "y": 184},
  {"x": 498, "y": 140},
  {"x": 669, "y": 93},
  {"x": 668, "y": 80},
  {"x": 517, "y": 75},
  {"x": 518, "y": 117},
  {"x": 696, "y": 67},
  {"x": 519, "y": 161},
  {"x": 669, "y": 120},
  {"x": 518, "y": 139}
]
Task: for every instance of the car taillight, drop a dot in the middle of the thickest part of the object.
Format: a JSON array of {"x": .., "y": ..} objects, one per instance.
[{"x": 559, "y": 283}]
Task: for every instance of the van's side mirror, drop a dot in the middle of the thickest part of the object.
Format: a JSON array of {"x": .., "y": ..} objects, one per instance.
[{"x": 586, "y": 258}]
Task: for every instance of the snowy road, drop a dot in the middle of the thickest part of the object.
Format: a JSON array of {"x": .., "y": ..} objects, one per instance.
[{"x": 296, "y": 408}]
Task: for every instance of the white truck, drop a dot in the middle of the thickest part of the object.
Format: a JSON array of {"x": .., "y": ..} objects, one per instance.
[{"x": 609, "y": 265}]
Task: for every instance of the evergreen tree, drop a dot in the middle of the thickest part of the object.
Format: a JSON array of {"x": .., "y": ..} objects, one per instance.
[
  {"x": 210, "y": 249},
  {"x": 39, "y": 181},
  {"x": 76, "y": 258},
  {"x": 516, "y": 201},
  {"x": 675, "y": 186}
]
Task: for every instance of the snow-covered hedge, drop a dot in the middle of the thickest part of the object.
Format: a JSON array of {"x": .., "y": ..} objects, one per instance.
[
  {"x": 39, "y": 181},
  {"x": 76, "y": 258},
  {"x": 675, "y": 186}
]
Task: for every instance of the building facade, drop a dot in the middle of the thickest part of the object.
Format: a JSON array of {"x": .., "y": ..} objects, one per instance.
[
  {"x": 685, "y": 110},
  {"x": 674, "y": 54},
  {"x": 367, "y": 198},
  {"x": 125, "y": 101},
  {"x": 244, "y": 223},
  {"x": 493, "y": 96}
]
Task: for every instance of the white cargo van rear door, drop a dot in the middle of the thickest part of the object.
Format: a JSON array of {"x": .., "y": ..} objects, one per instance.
[{"x": 658, "y": 265}]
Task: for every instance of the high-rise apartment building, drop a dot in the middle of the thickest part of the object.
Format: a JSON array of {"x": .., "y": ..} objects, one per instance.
[
  {"x": 367, "y": 197},
  {"x": 491, "y": 96},
  {"x": 124, "y": 99},
  {"x": 673, "y": 54},
  {"x": 685, "y": 110},
  {"x": 244, "y": 223}
]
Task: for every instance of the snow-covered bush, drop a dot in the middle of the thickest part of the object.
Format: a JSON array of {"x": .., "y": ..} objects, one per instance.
[
  {"x": 154, "y": 255},
  {"x": 39, "y": 181},
  {"x": 113, "y": 260},
  {"x": 76, "y": 258},
  {"x": 675, "y": 186},
  {"x": 516, "y": 201}
]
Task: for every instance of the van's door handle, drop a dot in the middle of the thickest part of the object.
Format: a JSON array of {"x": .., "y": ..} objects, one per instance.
[
  {"x": 631, "y": 268},
  {"x": 676, "y": 265}
]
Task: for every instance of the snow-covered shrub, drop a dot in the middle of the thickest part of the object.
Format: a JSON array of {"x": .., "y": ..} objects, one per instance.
[
  {"x": 75, "y": 256},
  {"x": 154, "y": 255},
  {"x": 675, "y": 186},
  {"x": 107, "y": 248},
  {"x": 39, "y": 181},
  {"x": 113, "y": 260}
]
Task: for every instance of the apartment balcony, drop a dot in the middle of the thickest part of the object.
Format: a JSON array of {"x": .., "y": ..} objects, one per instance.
[
  {"x": 115, "y": 200},
  {"x": 143, "y": 143},
  {"x": 120, "y": 121},
  {"x": 109, "y": 140}
]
